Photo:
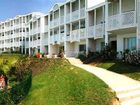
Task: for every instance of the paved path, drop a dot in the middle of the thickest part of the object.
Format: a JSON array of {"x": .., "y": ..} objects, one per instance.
[{"x": 127, "y": 89}]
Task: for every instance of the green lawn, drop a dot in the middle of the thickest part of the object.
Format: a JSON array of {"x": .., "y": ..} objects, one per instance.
[
  {"x": 118, "y": 67},
  {"x": 63, "y": 84}
]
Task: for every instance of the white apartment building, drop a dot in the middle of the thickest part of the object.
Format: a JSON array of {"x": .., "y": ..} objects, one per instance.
[{"x": 74, "y": 27}]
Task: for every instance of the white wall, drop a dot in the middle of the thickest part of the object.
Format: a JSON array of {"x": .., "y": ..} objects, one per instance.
[
  {"x": 120, "y": 40},
  {"x": 91, "y": 3}
]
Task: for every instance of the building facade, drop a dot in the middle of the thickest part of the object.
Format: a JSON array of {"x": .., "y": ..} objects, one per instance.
[{"x": 74, "y": 28}]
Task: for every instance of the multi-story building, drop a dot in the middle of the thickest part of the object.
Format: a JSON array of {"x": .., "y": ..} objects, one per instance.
[{"x": 74, "y": 27}]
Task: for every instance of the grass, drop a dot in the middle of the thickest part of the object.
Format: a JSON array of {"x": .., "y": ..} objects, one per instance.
[
  {"x": 8, "y": 60},
  {"x": 63, "y": 84},
  {"x": 121, "y": 68}
]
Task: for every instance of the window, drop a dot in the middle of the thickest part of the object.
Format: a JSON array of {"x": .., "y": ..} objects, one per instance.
[
  {"x": 82, "y": 48},
  {"x": 102, "y": 46},
  {"x": 130, "y": 43}
]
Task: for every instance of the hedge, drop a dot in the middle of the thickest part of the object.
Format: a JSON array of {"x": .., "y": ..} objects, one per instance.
[{"x": 17, "y": 92}]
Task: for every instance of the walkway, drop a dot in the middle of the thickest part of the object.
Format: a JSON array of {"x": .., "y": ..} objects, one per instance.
[{"x": 127, "y": 89}]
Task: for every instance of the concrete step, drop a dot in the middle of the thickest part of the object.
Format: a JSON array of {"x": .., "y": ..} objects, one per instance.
[
  {"x": 133, "y": 101},
  {"x": 129, "y": 95},
  {"x": 75, "y": 61}
]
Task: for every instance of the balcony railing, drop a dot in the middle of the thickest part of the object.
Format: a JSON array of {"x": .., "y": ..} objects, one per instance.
[
  {"x": 75, "y": 15},
  {"x": 56, "y": 21},
  {"x": 45, "y": 41},
  {"x": 91, "y": 31},
  {"x": 56, "y": 39},
  {"x": 83, "y": 33},
  {"x": 35, "y": 30},
  {"x": 46, "y": 28},
  {"x": 96, "y": 31},
  {"x": 75, "y": 35},
  {"x": 62, "y": 37},
  {"x": 62, "y": 20},
  {"x": 68, "y": 17},
  {"x": 99, "y": 31},
  {"x": 124, "y": 20},
  {"x": 82, "y": 12}
]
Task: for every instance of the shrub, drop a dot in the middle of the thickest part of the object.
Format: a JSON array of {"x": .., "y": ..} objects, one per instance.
[
  {"x": 21, "y": 89},
  {"x": 82, "y": 56}
]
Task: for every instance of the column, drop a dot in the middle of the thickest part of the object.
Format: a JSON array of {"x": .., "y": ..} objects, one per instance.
[{"x": 106, "y": 23}]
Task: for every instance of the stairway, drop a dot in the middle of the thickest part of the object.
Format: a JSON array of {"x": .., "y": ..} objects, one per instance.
[
  {"x": 129, "y": 95},
  {"x": 74, "y": 61}
]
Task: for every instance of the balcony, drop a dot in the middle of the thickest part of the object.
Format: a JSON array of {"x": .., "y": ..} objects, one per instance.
[
  {"x": 68, "y": 17},
  {"x": 82, "y": 12},
  {"x": 75, "y": 35},
  {"x": 124, "y": 20},
  {"x": 51, "y": 23},
  {"x": 45, "y": 41},
  {"x": 56, "y": 39},
  {"x": 35, "y": 30},
  {"x": 62, "y": 37},
  {"x": 99, "y": 31},
  {"x": 91, "y": 30},
  {"x": 96, "y": 31},
  {"x": 46, "y": 28},
  {"x": 82, "y": 33},
  {"x": 75, "y": 15},
  {"x": 56, "y": 22},
  {"x": 62, "y": 20}
]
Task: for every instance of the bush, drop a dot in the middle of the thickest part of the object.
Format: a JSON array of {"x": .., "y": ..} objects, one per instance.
[
  {"x": 20, "y": 90},
  {"x": 82, "y": 56},
  {"x": 17, "y": 92}
]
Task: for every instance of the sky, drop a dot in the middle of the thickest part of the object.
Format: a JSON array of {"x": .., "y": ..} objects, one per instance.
[{"x": 11, "y": 8}]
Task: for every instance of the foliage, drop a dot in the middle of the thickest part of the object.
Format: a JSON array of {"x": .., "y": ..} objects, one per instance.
[
  {"x": 130, "y": 57},
  {"x": 20, "y": 78},
  {"x": 82, "y": 56}
]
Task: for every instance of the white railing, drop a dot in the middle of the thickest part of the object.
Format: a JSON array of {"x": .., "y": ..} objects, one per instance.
[
  {"x": 82, "y": 12},
  {"x": 82, "y": 33},
  {"x": 75, "y": 35},
  {"x": 46, "y": 28},
  {"x": 56, "y": 38},
  {"x": 96, "y": 31},
  {"x": 45, "y": 41},
  {"x": 99, "y": 31},
  {"x": 75, "y": 15},
  {"x": 62, "y": 20},
  {"x": 56, "y": 21},
  {"x": 68, "y": 17},
  {"x": 51, "y": 23},
  {"x": 35, "y": 30},
  {"x": 62, "y": 37},
  {"x": 123, "y": 20},
  {"x": 91, "y": 31}
]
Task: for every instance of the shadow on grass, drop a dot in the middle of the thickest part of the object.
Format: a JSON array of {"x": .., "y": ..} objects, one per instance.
[{"x": 121, "y": 68}]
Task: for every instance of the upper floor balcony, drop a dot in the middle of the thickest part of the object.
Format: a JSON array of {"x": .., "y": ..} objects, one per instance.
[
  {"x": 96, "y": 31},
  {"x": 75, "y": 35},
  {"x": 62, "y": 37},
  {"x": 123, "y": 20},
  {"x": 35, "y": 31},
  {"x": 121, "y": 14}
]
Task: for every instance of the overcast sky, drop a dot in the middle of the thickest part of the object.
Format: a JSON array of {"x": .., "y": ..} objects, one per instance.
[{"x": 11, "y": 8}]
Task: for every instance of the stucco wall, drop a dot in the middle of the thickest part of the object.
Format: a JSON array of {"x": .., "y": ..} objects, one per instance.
[{"x": 120, "y": 40}]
